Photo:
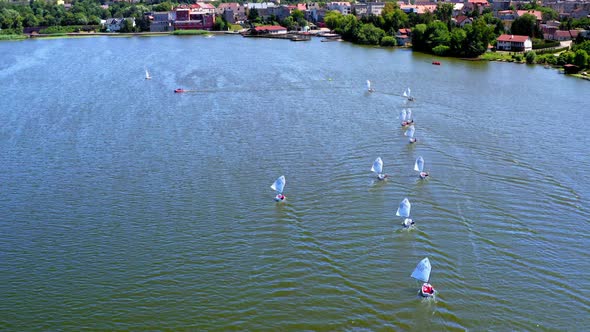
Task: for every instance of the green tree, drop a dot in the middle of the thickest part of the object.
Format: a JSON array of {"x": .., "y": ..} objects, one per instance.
[
  {"x": 163, "y": 7},
  {"x": 526, "y": 25},
  {"x": 333, "y": 19},
  {"x": 419, "y": 37},
  {"x": 126, "y": 26},
  {"x": 220, "y": 24},
  {"x": 253, "y": 14},
  {"x": 585, "y": 45},
  {"x": 388, "y": 41},
  {"x": 581, "y": 59},
  {"x": 530, "y": 57},
  {"x": 458, "y": 42},
  {"x": 394, "y": 20},
  {"x": 479, "y": 36},
  {"x": 548, "y": 13},
  {"x": 444, "y": 13},
  {"x": 369, "y": 34}
]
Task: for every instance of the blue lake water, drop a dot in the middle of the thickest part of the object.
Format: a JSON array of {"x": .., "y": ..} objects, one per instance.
[{"x": 125, "y": 206}]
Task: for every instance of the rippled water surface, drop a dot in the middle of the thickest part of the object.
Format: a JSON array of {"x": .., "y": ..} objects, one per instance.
[{"x": 124, "y": 206}]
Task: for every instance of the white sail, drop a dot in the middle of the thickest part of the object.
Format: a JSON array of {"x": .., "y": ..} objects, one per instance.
[
  {"x": 279, "y": 184},
  {"x": 403, "y": 115},
  {"x": 377, "y": 166},
  {"x": 408, "y": 94},
  {"x": 368, "y": 85},
  {"x": 422, "y": 270},
  {"x": 410, "y": 132},
  {"x": 419, "y": 165},
  {"x": 409, "y": 115},
  {"x": 404, "y": 209},
  {"x": 147, "y": 75}
]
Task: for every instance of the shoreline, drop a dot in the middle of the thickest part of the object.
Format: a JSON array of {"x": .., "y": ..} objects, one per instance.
[{"x": 205, "y": 33}]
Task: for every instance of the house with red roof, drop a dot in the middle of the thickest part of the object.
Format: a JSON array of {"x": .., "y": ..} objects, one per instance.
[
  {"x": 535, "y": 13},
  {"x": 514, "y": 43},
  {"x": 269, "y": 30},
  {"x": 478, "y": 5},
  {"x": 461, "y": 20}
]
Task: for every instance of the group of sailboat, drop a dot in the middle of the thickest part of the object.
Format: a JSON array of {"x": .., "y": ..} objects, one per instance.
[{"x": 423, "y": 269}]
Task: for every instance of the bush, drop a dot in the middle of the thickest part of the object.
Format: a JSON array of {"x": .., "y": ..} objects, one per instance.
[
  {"x": 547, "y": 59},
  {"x": 530, "y": 57},
  {"x": 441, "y": 50},
  {"x": 67, "y": 29},
  {"x": 388, "y": 41},
  {"x": 540, "y": 43},
  {"x": 517, "y": 57}
]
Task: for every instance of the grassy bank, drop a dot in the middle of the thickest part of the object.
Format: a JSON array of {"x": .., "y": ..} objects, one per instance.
[
  {"x": 13, "y": 37},
  {"x": 189, "y": 32}
]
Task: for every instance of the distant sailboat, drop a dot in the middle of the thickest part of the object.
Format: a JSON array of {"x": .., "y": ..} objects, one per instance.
[
  {"x": 279, "y": 186},
  {"x": 369, "y": 89},
  {"x": 408, "y": 94},
  {"x": 378, "y": 168},
  {"x": 404, "y": 211},
  {"x": 419, "y": 167},
  {"x": 147, "y": 75},
  {"x": 422, "y": 273},
  {"x": 410, "y": 133}
]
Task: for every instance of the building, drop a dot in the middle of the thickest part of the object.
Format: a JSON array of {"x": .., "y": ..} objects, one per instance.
[
  {"x": 269, "y": 30},
  {"x": 232, "y": 11},
  {"x": 193, "y": 18},
  {"x": 115, "y": 24},
  {"x": 343, "y": 7},
  {"x": 163, "y": 21},
  {"x": 514, "y": 43}
]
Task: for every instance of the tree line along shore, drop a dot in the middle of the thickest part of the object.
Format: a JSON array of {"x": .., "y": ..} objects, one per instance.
[{"x": 435, "y": 32}]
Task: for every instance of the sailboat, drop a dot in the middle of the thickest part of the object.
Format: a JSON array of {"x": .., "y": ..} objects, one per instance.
[
  {"x": 404, "y": 211},
  {"x": 419, "y": 167},
  {"x": 409, "y": 119},
  {"x": 422, "y": 273},
  {"x": 369, "y": 89},
  {"x": 410, "y": 133},
  {"x": 407, "y": 94},
  {"x": 147, "y": 75},
  {"x": 403, "y": 116},
  {"x": 279, "y": 186},
  {"x": 378, "y": 168}
]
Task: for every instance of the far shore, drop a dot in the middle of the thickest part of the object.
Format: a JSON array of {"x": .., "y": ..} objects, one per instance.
[{"x": 584, "y": 75}]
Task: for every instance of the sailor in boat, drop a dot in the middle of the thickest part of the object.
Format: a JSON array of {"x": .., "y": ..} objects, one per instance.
[
  {"x": 404, "y": 211},
  {"x": 419, "y": 167},
  {"x": 279, "y": 186},
  {"x": 427, "y": 290},
  {"x": 422, "y": 273},
  {"x": 408, "y": 222},
  {"x": 378, "y": 168},
  {"x": 410, "y": 133}
]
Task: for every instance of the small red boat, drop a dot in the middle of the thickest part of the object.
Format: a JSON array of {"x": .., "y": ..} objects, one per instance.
[
  {"x": 179, "y": 91},
  {"x": 436, "y": 63}
]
